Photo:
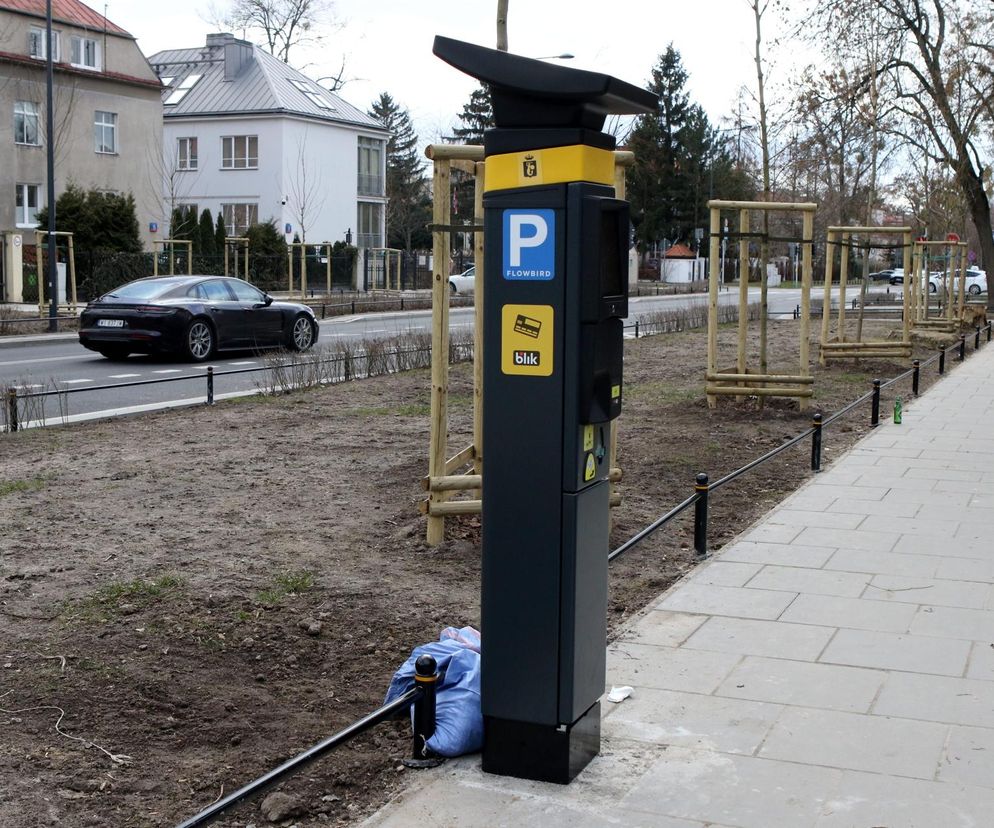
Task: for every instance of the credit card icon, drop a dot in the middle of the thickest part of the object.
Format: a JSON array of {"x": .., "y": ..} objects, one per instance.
[{"x": 527, "y": 326}]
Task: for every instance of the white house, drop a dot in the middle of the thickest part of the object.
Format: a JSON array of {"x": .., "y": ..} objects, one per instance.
[{"x": 250, "y": 137}]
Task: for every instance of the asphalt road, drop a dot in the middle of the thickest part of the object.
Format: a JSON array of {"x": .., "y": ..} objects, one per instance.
[{"x": 43, "y": 363}]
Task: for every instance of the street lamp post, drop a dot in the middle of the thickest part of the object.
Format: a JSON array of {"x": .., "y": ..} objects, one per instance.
[{"x": 52, "y": 275}]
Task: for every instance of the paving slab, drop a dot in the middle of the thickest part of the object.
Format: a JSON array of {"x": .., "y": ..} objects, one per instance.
[{"x": 833, "y": 667}]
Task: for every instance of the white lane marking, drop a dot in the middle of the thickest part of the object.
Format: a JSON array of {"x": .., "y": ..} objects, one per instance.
[
  {"x": 122, "y": 376},
  {"x": 250, "y": 362},
  {"x": 28, "y": 387},
  {"x": 75, "y": 381},
  {"x": 168, "y": 371},
  {"x": 49, "y": 359}
]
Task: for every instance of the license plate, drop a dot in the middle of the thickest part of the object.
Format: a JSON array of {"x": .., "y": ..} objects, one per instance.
[{"x": 110, "y": 323}]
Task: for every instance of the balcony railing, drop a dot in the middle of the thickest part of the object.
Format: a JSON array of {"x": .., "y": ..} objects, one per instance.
[{"x": 371, "y": 185}]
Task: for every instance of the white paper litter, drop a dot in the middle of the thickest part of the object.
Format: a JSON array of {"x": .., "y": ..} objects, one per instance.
[{"x": 619, "y": 694}]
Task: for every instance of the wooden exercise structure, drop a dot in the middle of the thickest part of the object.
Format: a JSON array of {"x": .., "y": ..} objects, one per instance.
[
  {"x": 236, "y": 244},
  {"x": 41, "y": 247},
  {"x": 944, "y": 320},
  {"x": 392, "y": 260},
  {"x": 172, "y": 258},
  {"x": 463, "y": 472},
  {"x": 742, "y": 381},
  {"x": 302, "y": 247},
  {"x": 841, "y": 347}
]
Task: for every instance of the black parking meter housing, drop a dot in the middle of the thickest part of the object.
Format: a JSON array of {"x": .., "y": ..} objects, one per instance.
[{"x": 555, "y": 290}]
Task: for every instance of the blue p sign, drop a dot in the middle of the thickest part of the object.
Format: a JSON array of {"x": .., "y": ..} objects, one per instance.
[{"x": 529, "y": 245}]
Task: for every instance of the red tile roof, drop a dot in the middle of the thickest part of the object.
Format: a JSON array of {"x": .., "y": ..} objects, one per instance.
[
  {"x": 65, "y": 11},
  {"x": 679, "y": 251}
]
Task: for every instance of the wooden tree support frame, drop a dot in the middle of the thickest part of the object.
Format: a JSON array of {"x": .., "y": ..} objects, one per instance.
[
  {"x": 41, "y": 247},
  {"x": 464, "y": 471},
  {"x": 840, "y": 347},
  {"x": 172, "y": 243},
  {"x": 302, "y": 247},
  {"x": 744, "y": 382},
  {"x": 921, "y": 310},
  {"x": 237, "y": 244},
  {"x": 391, "y": 255}
]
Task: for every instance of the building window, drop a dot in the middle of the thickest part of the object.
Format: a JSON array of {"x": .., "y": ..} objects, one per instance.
[
  {"x": 370, "y": 167},
  {"x": 240, "y": 152},
  {"x": 26, "y": 123},
  {"x": 36, "y": 43},
  {"x": 187, "y": 159},
  {"x": 105, "y": 132},
  {"x": 84, "y": 52},
  {"x": 27, "y": 205},
  {"x": 239, "y": 217},
  {"x": 370, "y": 225}
]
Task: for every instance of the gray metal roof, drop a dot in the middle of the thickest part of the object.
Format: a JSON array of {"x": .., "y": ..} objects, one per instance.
[{"x": 262, "y": 86}]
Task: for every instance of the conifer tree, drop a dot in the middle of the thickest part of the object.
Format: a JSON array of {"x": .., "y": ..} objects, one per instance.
[
  {"x": 409, "y": 208},
  {"x": 208, "y": 247}
]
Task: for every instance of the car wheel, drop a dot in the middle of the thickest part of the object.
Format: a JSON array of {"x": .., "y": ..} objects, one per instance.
[
  {"x": 932, "y": 287},
  {"x": 115, "y": 354},
  {"x": 302, "y": 333},
  {"x": 974, "y": 290},
  {"x": 452, "y": 288},
  {"x": 198, "y": 343}
]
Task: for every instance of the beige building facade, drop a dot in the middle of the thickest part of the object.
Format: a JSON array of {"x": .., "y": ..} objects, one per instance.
[{"x": 108, "y": 113}]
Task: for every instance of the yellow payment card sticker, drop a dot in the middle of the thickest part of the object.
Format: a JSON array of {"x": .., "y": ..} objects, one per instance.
[{"x": 527, "y": 340}]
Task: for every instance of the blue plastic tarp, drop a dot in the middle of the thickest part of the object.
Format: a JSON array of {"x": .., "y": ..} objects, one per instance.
[{"x": 458, "y": 717}]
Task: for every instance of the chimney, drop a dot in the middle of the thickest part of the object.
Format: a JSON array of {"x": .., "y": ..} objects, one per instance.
[{"x": 238, "y": 54}]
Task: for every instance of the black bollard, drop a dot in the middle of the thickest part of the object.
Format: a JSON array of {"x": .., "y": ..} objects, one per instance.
[
  {"x": 962, "y": 347},
  {"x": 426, "y": 677},
  {"x": 816, "y": 444},
  {"x": 942, "y": 361},
  {"x": 915, "y": 377},
  {"x": 875, "y": 405},
  {"x": 701, "y": 517},
  {"x": 12, "y": 424},
  {"x": 210, "y": 385},
  {"x": 976, "y": 338}
]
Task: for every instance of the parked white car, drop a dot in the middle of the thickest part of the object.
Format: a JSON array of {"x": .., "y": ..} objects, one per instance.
[
  {"x": 976, "y": 281},
  {"x": 463, "y": 283}
]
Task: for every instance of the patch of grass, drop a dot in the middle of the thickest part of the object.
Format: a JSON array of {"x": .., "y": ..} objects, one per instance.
[
  {"x": 406, "y": 410},
  {"x": 108, "y": 601},
  {"x": 662, "y": 392},
  {"x": 286, "y": 583},
  {"x": 32, "y": 484}
]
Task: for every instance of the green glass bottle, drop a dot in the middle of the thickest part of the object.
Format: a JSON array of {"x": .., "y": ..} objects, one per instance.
[{"x": 897, "y": 411}]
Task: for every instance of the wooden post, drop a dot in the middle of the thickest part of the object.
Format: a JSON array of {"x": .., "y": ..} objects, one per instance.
[
  {"x": 743, "y": 288},
  {"x": 289, "y": 268},
  {"x": 906, "y": 265},
  {"x": 911, "y": 280},
  {"x": 478, "y": 291},
  {"x": 225, "y": 256},
  {"x": 303, "y": 271},
  {"x": 806, "y": 274},
  {"x": 40, "y": 269},
  {"x": 713, "y": 278},
  {"x": 327, "y": 262},
  {"x": 441, "y": 217},
  {"x": 843, "y": 278},
  {"x": 172, "y": 264},
  {"x": 245, "y": 263},
  {"x": 826, "y": 308},
  {"x": 72, "y": 271},
  {"x": 189, "y": 258},
  {"x": 962, "y": 281}
]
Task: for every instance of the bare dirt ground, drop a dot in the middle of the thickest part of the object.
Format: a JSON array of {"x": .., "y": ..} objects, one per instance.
[{"x": 190, "y": 597}]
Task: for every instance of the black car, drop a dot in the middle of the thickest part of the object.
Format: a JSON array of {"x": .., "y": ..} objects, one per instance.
[{"x": 194, "y": 316}]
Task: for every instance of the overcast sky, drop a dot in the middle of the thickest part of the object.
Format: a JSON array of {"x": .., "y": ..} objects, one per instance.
[{"x": 387, "y": 44}]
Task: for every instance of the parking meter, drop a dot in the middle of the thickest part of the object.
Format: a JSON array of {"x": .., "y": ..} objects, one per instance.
[{"x": 555, "y": 293}]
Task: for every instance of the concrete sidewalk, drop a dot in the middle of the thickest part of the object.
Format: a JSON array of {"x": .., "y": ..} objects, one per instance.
[{"x": 832, "y": 667}]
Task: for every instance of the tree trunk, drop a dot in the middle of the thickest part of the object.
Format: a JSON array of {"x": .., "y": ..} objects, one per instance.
[
  {"x": 502, "y": 25},
  {"x": 980, "y": 213}
]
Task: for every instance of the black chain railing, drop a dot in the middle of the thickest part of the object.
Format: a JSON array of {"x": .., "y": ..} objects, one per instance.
[{"x": 702, "y": 488}]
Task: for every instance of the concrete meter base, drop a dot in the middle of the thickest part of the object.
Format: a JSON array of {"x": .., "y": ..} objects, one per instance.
[{"x": 541, "y": 752}]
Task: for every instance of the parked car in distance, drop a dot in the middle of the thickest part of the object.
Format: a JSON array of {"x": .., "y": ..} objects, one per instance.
[
  {"x": 976, "y": 281},
  {"x": 465, "y": 282},
  {"x": 897, "y": 276},
  {"x": 882, "y": 275},
  {"x": 194, "y": 317}
]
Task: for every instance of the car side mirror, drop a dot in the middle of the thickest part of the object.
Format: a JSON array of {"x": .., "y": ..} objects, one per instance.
[{"x": 268, "y": 300}]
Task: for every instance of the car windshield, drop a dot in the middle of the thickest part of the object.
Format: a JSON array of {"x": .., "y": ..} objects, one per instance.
[{"x": 142, "y": 289}]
